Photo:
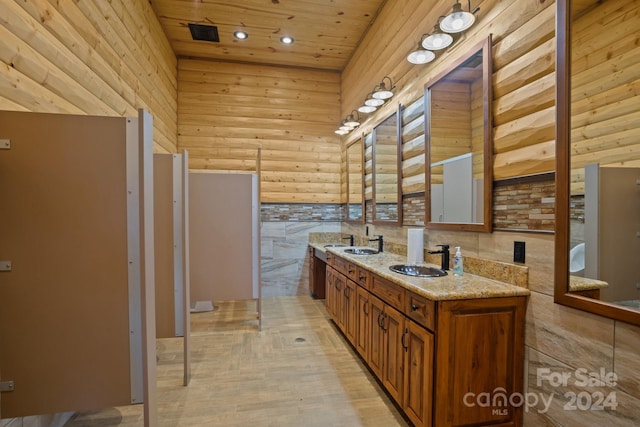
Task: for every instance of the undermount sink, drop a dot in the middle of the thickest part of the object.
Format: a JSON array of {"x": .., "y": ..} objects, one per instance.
[
  {"x": 417, "y": 270},
  {"x": 361, "y": 251},
  {"x": 334, "y": 246}
]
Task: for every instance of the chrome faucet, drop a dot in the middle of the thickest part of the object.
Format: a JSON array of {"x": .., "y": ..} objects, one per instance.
[
  {"x": 380, "y": 243},
  {"x": 445, "y": 256},
  {"x": 350, "y": 237}
]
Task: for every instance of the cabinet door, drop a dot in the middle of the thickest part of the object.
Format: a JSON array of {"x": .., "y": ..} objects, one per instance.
[
  {"x": 350, "y": 310},
  {"x": 393, "y": 367},
  {"x": 330, "y": 292},
  {"x": 480, "y": 348},
  {"x": 340, "y": 282},
  {"x": 363, "y": 328},
  {"x": 376, "y": 353},
  {"x": 418, "y": 370}
]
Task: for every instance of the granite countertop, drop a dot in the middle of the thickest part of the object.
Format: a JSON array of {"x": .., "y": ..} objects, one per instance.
[
  {"x": 577, "y": 283},
  {"x": 449, "y": 287}
]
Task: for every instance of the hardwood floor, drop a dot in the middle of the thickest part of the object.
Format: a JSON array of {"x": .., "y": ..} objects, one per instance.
[{"x": 299, "y": 371}]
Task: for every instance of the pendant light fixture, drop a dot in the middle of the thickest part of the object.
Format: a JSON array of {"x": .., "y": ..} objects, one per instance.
[
  {"x": 381, "y": 91},
  {"x": 420, "y": 55},
  {"x": 458, "y": 20},
  {"x": 437, "y": 40}
]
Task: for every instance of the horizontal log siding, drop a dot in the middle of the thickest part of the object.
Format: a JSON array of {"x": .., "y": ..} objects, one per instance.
[
  {"x": 605, "y": 127},
  {"x": 90, "y": 57},
  {"x": 523, "y": 35},
  {"x": 227, "y": 110}
]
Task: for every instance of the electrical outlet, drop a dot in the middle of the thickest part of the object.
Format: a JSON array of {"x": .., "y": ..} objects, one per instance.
[{"x": 519, "y": 252}]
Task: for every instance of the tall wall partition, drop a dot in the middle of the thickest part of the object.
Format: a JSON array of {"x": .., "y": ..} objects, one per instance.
[{"x": 77, "y": 309}]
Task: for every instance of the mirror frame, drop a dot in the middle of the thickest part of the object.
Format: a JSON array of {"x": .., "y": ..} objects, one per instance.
[
  {"x": 398, "y": 171},
  {"x": 362, "y": 205},
  {"x": 487, "y": 98},
  {"x": 563, "y": 180}
]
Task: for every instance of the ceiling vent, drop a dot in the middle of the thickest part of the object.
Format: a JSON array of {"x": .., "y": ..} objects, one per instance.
[{"x": 207, "y": 33}]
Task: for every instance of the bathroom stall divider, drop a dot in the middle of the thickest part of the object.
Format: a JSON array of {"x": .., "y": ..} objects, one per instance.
[
  {"x": 77, "y": 301},
  {"x": 171, "y": 195}
]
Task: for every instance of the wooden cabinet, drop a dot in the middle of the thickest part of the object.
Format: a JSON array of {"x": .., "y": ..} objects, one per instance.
[
  {"x": 418, "y": 373},
  {"x": 392, "y": 325},
  {"x": 349, "y": 310},
  {"x": 480, "y": 349},
  {"x": 363, "y": 322},
  {"x": 317, "y": 275},
  {"x": 429, "y": 354}
]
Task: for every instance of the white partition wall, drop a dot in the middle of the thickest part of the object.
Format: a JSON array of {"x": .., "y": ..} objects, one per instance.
[
  {"x": 223, "y": 234},
  {"x": 77, "y": 260}
]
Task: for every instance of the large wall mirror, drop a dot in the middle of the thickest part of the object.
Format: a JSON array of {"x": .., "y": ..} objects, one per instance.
[
  {"x": 458, "y": 145},
  {"x": 598, "y": 158},
  {"x": 355, "y": 181},
  {"x": 387, "y": 199}
]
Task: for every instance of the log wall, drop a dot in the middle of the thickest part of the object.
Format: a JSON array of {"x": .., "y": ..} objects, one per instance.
[
  {"x": 523, "y": 38},
  {"x": 605, "y": 92},
  {"x": 94, "y": 57},
  {"x": 226, "y": 110}
]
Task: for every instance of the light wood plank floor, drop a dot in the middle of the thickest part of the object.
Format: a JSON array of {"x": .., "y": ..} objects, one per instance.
[{"x": 299, "y": 371}]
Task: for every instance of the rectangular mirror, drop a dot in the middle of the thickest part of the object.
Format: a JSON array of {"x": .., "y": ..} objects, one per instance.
[
  {"x": 355, "y": 182},
  {"x": 386, "y": 187},
  {"x": 458, "y": 130},
  {"x": 598, "y": 158}
]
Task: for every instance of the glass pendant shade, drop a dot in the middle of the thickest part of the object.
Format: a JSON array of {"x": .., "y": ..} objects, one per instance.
[
  {"x": 457, "y": 21},
  {"x": 421, "y": 56}
]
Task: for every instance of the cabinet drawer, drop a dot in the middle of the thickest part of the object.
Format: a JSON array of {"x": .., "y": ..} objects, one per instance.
[
  {"x": 339, "y": 264},
  {"x": 363, "y": 277},
  {"x": 352, "y": 271},
  {"x": 420, "y": 309},
  {"x": 388, "y": 291}
]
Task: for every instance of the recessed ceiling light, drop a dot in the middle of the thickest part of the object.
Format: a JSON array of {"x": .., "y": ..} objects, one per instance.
[
  {"x": 286, "y": 40},
  {"x": 240, "y": 35}
]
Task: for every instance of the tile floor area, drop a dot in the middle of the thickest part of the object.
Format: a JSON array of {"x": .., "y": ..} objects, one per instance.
[{"x": 299, "y": 371}]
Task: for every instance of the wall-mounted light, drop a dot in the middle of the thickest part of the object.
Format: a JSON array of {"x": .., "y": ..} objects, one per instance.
[
  {"x": 366, "y": 109},
  {"x": 381, "y": 91},
  {"x": 341, "y": 131},
  {"x": 421, "y": 55},
  {"x": 241, "y": 35},
  {"x": 373, "y": 102},
  {"x": 353, "y": 120},
  {"x": 437, "y": 40},
  {"x": 458, "y": 20}
]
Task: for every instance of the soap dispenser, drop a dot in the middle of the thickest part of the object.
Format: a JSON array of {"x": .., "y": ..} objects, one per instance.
[{"x": 457, "y": 263}]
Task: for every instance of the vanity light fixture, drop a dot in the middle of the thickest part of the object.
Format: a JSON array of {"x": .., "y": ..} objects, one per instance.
[
  {"x": 458, "y": 20},
  {"x": 373, "y": 102},
  {"x": 437, "y": 40},
  {"x": 353, "y": 121},
  {"x": 286, "y": 40},
  {"x": 366, "y": 109},
  {"x": 341, "y": 131},
  {"x": 241, "y": 35},
  {"x": 381, "y": 91},
  {"x": 420, "y": 55}
]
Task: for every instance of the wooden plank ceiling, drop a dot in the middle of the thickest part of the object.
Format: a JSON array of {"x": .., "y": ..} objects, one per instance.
[{"x": 326, "y": 32}]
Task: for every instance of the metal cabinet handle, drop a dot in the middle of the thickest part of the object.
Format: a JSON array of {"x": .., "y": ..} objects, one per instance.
[
  {"x": 414, "y": 307},
  {"x": 406, "y": 348},
  {"x": 364, "y": 308}
]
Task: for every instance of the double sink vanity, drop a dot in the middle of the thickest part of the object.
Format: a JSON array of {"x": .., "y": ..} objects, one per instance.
[{"x": 449, "y": 350}]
